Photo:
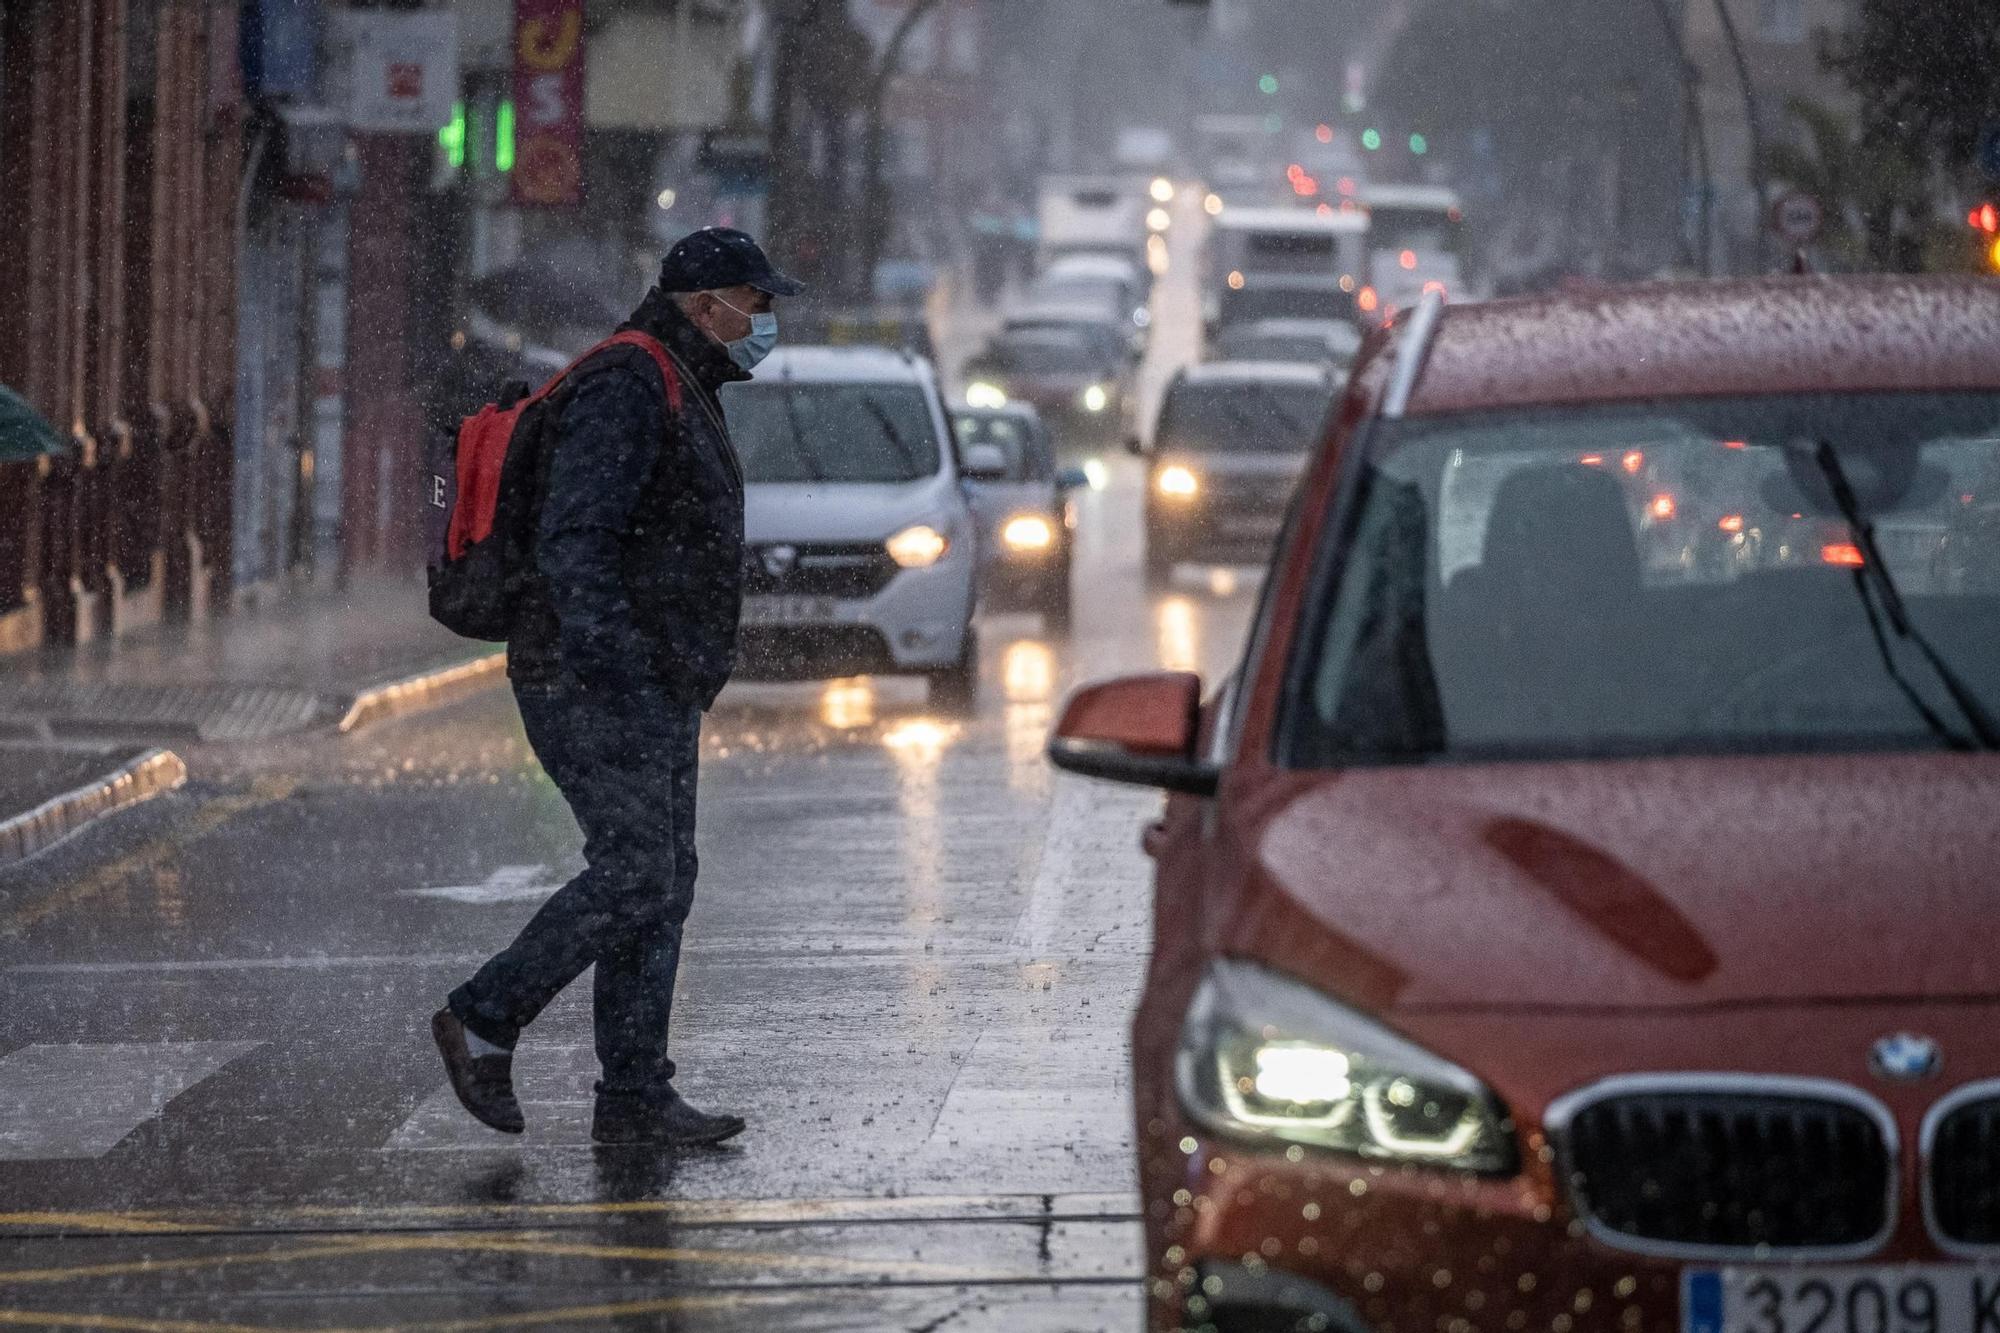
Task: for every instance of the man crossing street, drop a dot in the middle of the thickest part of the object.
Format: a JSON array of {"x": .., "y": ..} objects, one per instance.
[{"x": 625, "y": 634}]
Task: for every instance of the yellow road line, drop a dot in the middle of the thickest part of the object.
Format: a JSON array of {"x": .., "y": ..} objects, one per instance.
[
  {"x": 533, "y": 1244},
  {"x": 139, "y": 1223},
  {"x": 710, "y": 1212},
  {"x": 544, "y": 1246},
  {"x": 207, "y": 819},
  {"x": 130, "y": 1267},
  {"x": 63, "y": 1319},
  {"x": 721, "y": 1300}
]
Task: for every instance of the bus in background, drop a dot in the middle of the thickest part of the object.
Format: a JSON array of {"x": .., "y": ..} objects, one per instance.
[
  {"x": 1416, "y": 243},
  {"x": 1283, "y": 263}
]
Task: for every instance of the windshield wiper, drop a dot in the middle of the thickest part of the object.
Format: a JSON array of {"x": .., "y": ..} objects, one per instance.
[
  {"x": 798, "y": 438},
  {"x": 1874, "y": 572},
  {"x": 874, "y": 409}
]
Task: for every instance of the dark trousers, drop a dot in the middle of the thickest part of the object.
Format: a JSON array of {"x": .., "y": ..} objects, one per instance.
[{"x": 630, "y": 781}]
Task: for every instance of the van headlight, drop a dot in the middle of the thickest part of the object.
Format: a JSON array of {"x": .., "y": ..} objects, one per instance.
[
  {"x": 1177, "y": 481},
  {"x": 1028, "y": 534},
  {"x": 918, "y": 547},
  {"x": 1266, "y": 1058}
]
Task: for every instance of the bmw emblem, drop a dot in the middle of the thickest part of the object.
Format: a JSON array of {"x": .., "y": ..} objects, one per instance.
[
  {"x": 780, "y": 560},
  {"x": 1905, "y": 1058}
]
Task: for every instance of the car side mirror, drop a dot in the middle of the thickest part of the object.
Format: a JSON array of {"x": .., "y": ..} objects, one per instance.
[
  {"x": 1072, "y": 479},
  {"x": 1139, "y": 730},
  {"x": 984, "y": 462}
]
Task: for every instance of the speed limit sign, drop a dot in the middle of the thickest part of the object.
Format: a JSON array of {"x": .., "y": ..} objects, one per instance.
[{"x": 1798, "y": 218}]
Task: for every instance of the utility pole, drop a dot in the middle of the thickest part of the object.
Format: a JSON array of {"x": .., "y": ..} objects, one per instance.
[
  {"x": 874, "y": 209},
  {"x": 1697, "y": 138},
  {"x": 1754, "y": 124}
]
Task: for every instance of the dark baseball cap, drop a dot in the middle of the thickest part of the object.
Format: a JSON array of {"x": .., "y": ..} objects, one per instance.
[{"x": 717, "y": 257}]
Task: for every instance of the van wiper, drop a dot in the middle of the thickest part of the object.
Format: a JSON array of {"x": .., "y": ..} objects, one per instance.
[
  {"x": 902, "y": 446},
  {"x": 800, "y": 450},
  {"x": 1874, "y": 572}
]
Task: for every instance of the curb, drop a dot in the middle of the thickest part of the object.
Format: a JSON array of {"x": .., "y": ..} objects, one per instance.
[
  {"x": 424, "y": 691},
  {"x": 151, "y": 774}
]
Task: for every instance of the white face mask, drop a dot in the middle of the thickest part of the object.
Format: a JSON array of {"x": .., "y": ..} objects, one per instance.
[{"x": 763, "y": 340}]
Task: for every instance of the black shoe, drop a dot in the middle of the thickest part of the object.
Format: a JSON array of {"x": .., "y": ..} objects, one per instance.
[
  {"x": 484, "y": 1084},
  {"x": 665, "y": 1121}
]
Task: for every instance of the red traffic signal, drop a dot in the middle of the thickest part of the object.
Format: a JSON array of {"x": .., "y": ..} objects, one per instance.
[{"x": 1985, "y": 218}]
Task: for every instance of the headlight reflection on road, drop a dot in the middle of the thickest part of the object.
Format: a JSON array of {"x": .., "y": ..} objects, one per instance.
[
  {"x": 919, "y": 742},
  {"x": 847, "y": 705},
  {"x": 1028, "y": 672},
  {"x": 1178, "y": 636},
  {"x": 1028, "y": 676}
]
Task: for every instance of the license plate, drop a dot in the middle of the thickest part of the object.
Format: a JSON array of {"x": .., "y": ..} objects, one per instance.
[
  {"x": 1913, "y": 1298},
  {"x": 788, "y": 610}
]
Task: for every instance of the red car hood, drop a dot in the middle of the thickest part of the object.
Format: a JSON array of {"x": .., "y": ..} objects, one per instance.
[{"x": 1646, "y": 885}]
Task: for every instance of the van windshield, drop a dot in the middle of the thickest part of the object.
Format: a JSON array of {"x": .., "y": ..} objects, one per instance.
[
  {"x": 1243, "y": 417},
  {"x": 1662, "y": 579},
  {"x": 848, "y": 433}
]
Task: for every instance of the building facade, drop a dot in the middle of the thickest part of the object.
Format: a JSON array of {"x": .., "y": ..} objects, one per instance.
[{"x": 119, "y": 175}]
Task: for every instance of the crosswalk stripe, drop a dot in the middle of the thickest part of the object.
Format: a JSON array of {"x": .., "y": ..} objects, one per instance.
[{"x": 61, "y": 1102}]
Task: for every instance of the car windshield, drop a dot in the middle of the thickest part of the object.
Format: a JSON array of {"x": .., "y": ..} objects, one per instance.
[
  {"x": 1048, "y": 351},
  {"x": 1281, "y": 300},
  {"x": 1068, "y": 290},
  {"x": 1251, "y": 346},
  {"x": 1427, "y": 230},
  {"x": 1027, "y": 460},
  {"x": 1243, "y": 417},
  {"x": 832, "y": 432},
  {"x": 1661, "y": 579}
]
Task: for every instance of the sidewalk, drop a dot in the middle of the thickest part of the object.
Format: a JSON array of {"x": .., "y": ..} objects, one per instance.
[
  {"x": 48, "y": 794},
  {"x": 249, "y": 676},
  {"x": 325, "y": 660}
]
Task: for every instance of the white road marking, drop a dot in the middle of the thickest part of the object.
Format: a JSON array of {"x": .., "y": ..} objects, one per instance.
[
  {"x": 1090, "y": 887},
  {"x": 306, "y": 963},
  {"x": 64, "y": 1102},
  {"x": 508, "y": 884}
]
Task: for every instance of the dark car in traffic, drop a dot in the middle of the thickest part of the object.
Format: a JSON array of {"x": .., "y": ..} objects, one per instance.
[
  {"x": 1023, "y": 504},
  {"x": 1231, "y": 441},
  {"x": 1072, "y": 364},
  {"x": 1554, "y": 933}
]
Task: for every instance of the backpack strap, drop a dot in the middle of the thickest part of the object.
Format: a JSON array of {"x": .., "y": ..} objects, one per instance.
[
  {"x": 654, "y": 348},
  {"x": 645, "y": 342}
]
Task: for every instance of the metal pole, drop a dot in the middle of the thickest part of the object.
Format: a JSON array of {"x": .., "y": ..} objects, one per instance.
[
  {"x": 1753, "y": 123},
  {"x": 1697, "y": 125}
]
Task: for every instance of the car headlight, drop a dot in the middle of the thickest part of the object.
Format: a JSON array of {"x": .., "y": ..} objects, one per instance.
[
  {"x": 982, "y": 394},
  {"x": 1096, "y": 398},
  {"x": 1177, "y": 482},
  {"x": 918, "y": 547},
  {"x": 1028, "y": 534},
  {"x": 1266, "y": 1058}
]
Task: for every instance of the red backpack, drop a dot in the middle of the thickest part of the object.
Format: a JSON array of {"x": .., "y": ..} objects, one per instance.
[{"x": 482, "y": 495}]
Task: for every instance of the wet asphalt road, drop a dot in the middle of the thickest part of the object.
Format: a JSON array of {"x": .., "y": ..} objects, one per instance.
[{"x": 911, "y": 964}]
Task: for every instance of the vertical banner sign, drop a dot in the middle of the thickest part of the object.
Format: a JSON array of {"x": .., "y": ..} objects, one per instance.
[{"x": 548, "y": 102}]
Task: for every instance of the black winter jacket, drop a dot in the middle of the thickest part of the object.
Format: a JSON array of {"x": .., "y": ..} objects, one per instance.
[{"x": 638, "y": 579}]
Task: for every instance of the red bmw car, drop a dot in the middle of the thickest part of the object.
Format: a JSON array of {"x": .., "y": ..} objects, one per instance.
[{"x": 1578, "y": 911}]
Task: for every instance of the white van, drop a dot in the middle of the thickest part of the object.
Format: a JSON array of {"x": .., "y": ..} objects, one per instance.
[
  {"x": 1283, "y": 263},
  {"x": 863, "y": 548}
]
